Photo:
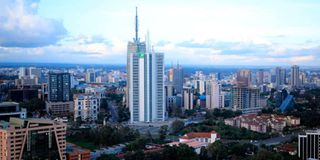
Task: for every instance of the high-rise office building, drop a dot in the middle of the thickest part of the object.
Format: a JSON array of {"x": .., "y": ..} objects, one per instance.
[
  {"x": 260, "y": 76},
  {"x": 280, "y": 74},
  {"x": 187, "y": 97},
  {"x": 245, "y": 99},
  {"x": 59, "y": 87},
  {"x": 214, "y": 97},
  {"x": 32, "y": 139},
  {"x": 294, "y": 80},
  {"x": 59, "y": 95},
  {"x": 175, "y": 75},
  {"x": 309, "y": 145},
  {"x": 91, "y": 76},
  {"x": 145, "y": 75},
  {"x": 200, "y": 85},
  {"x": 244, "y": 78}
]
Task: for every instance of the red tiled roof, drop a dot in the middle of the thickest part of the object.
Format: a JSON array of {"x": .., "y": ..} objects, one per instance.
[{"x": 192, "y": 135}]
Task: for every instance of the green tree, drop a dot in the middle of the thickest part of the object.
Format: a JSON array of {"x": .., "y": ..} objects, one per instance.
[
  {"x": 181, "y": 152},
  {"x": 177, "y": 126},
  {"x": 123, "y": 114},
  {"x": 163, "y": 132},
  {"x": 134, "y": 155},
  {"x": 217, "y": 150}
]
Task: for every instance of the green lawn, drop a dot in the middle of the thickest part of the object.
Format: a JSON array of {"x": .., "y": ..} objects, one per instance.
[{"x": 83, "y": 143}]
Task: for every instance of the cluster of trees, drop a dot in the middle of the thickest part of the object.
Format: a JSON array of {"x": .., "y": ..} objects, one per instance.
[
  {"x": 33, "y": 105},
  {"x": 307, "y": 108},
  {"x": 105, "y": 136},
  {"x": 214, "y": 151},
  {"x": 181, "y": 152},
  {"x": 221, "y": 113},
  {"x": 226, "y": 132}
]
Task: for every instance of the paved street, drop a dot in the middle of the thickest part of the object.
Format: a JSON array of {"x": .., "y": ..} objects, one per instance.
[{"x": 268, "y": 142}]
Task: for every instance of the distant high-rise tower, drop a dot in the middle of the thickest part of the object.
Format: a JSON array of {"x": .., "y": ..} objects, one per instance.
[
  {"x": 145, "y": 75},
  {"x": 294, "y": 80},
  {"x": 188, "y": 98},
  {"x": 175, "y": 75},
  {"x": 244, "y": 78},
  {"x": 59, "y": 87},
  {"x": 245, "y": 99},
  {"x": 214, "y": 98},
  {"x": 91, "y": 76},
  {"x": 280, "y": 76},
  {"x": 260, "y": 76}
]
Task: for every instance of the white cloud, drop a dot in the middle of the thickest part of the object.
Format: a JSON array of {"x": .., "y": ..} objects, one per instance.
[{"x": 20, "y": 26}]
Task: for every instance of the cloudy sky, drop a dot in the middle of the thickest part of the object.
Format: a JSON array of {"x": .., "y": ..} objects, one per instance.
[{"x": 203, "y": 32}]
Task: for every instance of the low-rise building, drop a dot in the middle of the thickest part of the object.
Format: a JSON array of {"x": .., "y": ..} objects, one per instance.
[
  {"x": 32, "y": 139},
  {"x": 208, "y": 137},
  {"x": 59, "y": 109},
  {"x": 75, "y": 152},
  {"x": 197, "y": 140},
  {"x": 261, "y": 123},
  {"x": 86, "y": 106}
]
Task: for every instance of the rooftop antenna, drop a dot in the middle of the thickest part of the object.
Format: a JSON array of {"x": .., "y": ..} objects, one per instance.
[
  {"x": 148, "y": 42},
  {"x": 137, "y": 38}
]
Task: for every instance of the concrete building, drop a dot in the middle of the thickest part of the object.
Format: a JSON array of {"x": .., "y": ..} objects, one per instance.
[
  {"x": 175, "y": 75},
  {"x": 188, "y": 98},
  {"x": 23, "y": 95},
  {"x": 294, "y": 80},
  {"x": 11, "y": 109},
  {"x": 197, "y": 140},
  {"x": 200, "y": 85},
  {"x": 260, "y": 76},
  {"x": 91, "y": 76},
  {"x": 59, "y": 87},
  {"x": 75, "y": 152},
  {"x": 59, "y": 109},
  {"x": 260, "y": 123},
  {"x": 308, "y": 145},
  {"x": 86, "y": 106},
  {"x": 209, "y": 137},
  {"x": 244, "y": 78},
  {"x": 32, "y": 139},
  {"x": 280, "y": 76},
  {"x": 214, "y": 97},
  {"x": 145, "y": 70},
  {"x": 245, "y": 99}
]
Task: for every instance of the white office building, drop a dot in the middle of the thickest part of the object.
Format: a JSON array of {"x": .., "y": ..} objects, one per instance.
[
  {"x": 214, "y": 97},
  {"x": 145, "y": 93}
]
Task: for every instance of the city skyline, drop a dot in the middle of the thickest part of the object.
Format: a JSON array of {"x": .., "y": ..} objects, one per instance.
[{"x": 204, "y": 33}]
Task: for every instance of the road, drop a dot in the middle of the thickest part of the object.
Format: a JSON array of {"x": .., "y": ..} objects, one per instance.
[
  {"x": 268, "y": 142},
  {"x": 113, "y": 111}
]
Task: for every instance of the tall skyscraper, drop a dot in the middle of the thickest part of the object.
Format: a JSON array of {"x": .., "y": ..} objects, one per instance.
[
  {"x": 91, "y": 76},
  {"x": 308, "y": 145},
  {"x": 280, "y": 76},
  {"x": 145, "y": 75},
  {"x": 214, "y": 98},
  {"x": 294, "y": 80},
  {"x": 188, "y": 97},
  {"x": 59, "y": 87},
  {"x": 245, "y": 99},
  {"x": 175, "y": 75},
  {"x": 244, "y": 78},
  {"x": 260, "y": 76}
]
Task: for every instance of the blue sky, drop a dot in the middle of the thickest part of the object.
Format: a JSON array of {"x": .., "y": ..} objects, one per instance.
[{"x": 204, "y": 32}]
